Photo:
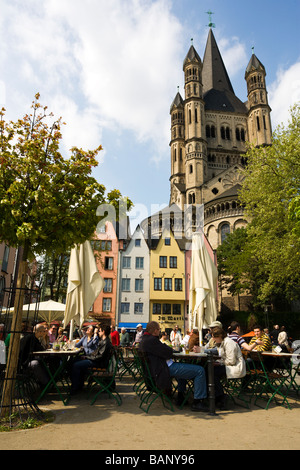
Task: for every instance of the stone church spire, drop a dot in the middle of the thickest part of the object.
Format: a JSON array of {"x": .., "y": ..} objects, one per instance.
[{"x": 259, "y": 122}]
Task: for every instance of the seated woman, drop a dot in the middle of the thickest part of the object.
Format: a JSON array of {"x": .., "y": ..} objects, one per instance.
[
  {"x": 89, "y": 341},
  {"x": 231, "y": 363},
  {"x": 164, "y": 339},
  {"x": 97, "y": 358}
]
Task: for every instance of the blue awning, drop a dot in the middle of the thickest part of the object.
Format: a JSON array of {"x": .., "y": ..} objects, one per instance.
[{"x": 131, "y": 326}]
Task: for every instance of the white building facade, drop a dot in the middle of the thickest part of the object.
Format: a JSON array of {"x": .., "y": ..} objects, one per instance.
[{"x": 133, "y": 282}]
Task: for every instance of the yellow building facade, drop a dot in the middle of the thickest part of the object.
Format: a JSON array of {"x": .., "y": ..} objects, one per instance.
[{"x": 167, "y": 282}]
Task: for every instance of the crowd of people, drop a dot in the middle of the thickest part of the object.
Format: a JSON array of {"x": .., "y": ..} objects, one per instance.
[{"x": 97, "y": 341}]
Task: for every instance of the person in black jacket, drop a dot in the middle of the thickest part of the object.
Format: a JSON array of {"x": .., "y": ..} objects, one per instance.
[
  {"x": 162, "y": 368},
  {"x": 98, "y": 358},
  {"x": 31, "y": 343}
]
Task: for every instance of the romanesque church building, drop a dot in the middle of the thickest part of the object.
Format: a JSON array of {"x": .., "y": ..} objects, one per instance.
[{"x": 210, "y": 128}]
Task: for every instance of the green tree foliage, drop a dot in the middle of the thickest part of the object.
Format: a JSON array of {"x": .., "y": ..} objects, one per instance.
[
  {"x": 270, "y": 194},
  {"x": 240, "y": 271},
  {"x": 47, "y": 202}
]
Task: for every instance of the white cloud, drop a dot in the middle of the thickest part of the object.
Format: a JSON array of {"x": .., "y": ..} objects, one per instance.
[
  {"x": 234, "y": 55},
  {"x": 284, "y": 92},
  {"x": 116, "y": 60}
]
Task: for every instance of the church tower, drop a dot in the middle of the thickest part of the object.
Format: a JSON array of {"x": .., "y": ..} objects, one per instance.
[
  {"x": 259, "y": 121},
  {"x": 177, "y": 178},
  {"x": 195, "y": 143}
]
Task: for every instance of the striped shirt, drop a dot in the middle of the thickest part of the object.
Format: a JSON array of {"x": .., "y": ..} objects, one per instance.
[
  {"x": 266, "y": 346},
  {"x": 237, "y": 338}
]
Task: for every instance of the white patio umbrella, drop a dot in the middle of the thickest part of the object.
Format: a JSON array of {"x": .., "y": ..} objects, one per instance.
[
  {"x": 84, "y": 284},
  {"x": 203, "y": 286},
  {"x": 48, "y": 310}
]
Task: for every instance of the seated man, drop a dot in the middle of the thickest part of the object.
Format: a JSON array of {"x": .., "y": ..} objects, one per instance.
[
  {"x": 261, "y": 340},
  {"x": 163, "y": 368},
  {"x": 30, "y": 343},
  {"x": 98, "y": 358}
]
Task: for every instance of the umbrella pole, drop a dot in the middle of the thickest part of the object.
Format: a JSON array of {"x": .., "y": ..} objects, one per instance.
[
  {"x": 211, "y": 383},
  {"x": 71, "y": 330}
]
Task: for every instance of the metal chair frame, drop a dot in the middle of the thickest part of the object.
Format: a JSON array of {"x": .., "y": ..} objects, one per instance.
[{"x": 104, "y": 379}]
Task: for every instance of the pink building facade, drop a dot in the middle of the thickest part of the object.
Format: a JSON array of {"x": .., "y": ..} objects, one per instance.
[{"x": 106, "y": 250}]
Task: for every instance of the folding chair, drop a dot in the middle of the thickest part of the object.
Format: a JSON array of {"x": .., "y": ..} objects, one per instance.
[
  {"x": 126, "y": 364},
  {"x": 103, "y": 380},
  {"x": 236, "y": 389},
  {"x": 139, "y": 386},
  {"x": 150, "y": 392},
  {"x": 269, "y": 384}
]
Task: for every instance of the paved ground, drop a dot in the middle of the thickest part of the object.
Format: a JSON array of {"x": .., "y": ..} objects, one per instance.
[{"x": 106, "y": 426}]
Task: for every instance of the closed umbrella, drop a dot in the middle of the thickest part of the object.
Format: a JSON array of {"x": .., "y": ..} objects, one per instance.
[
  {"x": 203, "y": 286},
  {"x": 84, "y": 284},
  {"x": 48, "y": 311}
]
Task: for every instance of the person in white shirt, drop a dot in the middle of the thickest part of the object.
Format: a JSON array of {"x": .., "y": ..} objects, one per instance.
[{"x": 175, "y": 336}]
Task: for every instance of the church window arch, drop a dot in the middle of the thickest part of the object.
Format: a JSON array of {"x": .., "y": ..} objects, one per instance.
[
  {"x": 225, "y": 230},
  {"x": 191, "y": 169}
]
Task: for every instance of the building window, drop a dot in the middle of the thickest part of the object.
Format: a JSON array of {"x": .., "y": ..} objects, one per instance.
[
  {"x": 225, "y": 133},
  {"x": 139, "y": 263},
  {"x": 173, "y": 261},
  {"x": 258, "y": 123},
  {"x": 178, "y": 284},
  {"x": 210, "y": 131},
  {"x": 125, "y": 285},
  {"x": 225, "y": 230},
  {"x": 167, "y": 241},
  {"x": 126, "y": 263},
  {"x": 108, "y": 263},
  {"x": 139, "y": 285},
  {"x": 157, "y": 283},
  {"x": 5, "y": 258},
  {"x": 138, "y": 308},
  {"x": 96, "y": 245},
  {"x": 166, "y": 309},
  {"x": 156, "y": 310},
  {"x": 101, "y": 228},
  {"x": 176, "y": 309},
  {"x": 138, "y": 242},
  {"x": 163, "y": 262},
  {"x": 2, "y": 287},
  {"x": 106, "y": 305},
  {"x": 168, "y": 283},
  {"x": 125, "y": 306},
  {"x": 107, "y": 285}
]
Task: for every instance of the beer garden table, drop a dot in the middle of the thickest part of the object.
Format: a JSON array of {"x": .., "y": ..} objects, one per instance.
[
  {"x": 64, "y": 357},
  {"x": 202, "y": 358}
]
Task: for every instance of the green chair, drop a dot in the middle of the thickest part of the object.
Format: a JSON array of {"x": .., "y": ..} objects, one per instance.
[
  {"x": 150, "y": 392},
  {"x": 127, "y": 364},
  {"x": 103, "y": 380},
  {"x": 269, "y": 384}
]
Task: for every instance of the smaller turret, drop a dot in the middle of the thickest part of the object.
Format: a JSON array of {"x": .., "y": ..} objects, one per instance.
[{"x": 259, "y": 121}]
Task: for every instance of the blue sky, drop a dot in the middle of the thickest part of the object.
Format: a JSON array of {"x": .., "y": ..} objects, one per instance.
[{"x": 111, "y": 70}]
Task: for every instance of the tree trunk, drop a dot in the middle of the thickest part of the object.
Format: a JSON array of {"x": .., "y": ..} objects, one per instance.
[{"x": 14, "y": 343}]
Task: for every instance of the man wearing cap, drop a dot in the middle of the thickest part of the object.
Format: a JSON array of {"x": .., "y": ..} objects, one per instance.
[
  {"x": 211, "y": 342},
  {"x": 139, "y": 334}
]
